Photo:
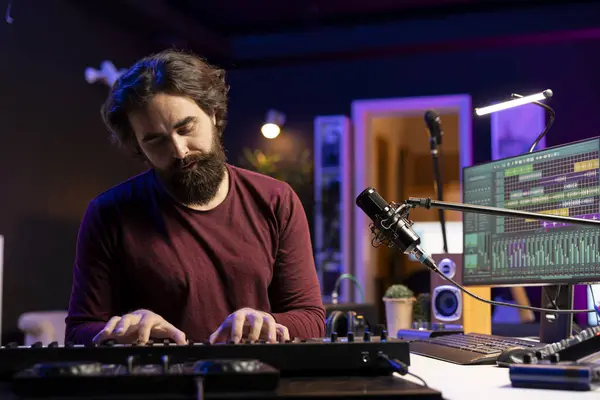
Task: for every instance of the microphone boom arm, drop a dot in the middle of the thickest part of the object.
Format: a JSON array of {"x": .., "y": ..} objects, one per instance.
[
  {"x": 499, "y": 212},
  {"x": 391, "y": 225}
]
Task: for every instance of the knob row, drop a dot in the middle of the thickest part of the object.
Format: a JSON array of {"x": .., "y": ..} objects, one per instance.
[{"x": 366, "y": 336}]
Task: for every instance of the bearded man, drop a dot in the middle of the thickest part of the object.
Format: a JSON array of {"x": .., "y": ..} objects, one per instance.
[{"x": 194, "y": 248}]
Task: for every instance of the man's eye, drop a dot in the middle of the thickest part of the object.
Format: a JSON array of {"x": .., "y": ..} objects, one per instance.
[{"x": 155, "y": 140}]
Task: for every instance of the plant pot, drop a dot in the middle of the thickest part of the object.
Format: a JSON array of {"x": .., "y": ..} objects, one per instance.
[{"x": 398, "y": 314}]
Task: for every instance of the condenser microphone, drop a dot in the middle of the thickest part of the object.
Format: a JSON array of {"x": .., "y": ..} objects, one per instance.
[
  {"x": 391, "y": 225},
  {"x": 434, "y": 125}
]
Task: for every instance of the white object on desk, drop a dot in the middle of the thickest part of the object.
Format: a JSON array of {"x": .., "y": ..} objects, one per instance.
[
  {"x": 593, "y": 319},
  {"x": 463, "y": 382}
]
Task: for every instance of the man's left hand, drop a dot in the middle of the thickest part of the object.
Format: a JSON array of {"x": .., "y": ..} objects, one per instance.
[{"x": 250, "y": 324}]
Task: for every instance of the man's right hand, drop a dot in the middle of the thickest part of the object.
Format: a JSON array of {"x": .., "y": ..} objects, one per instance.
[{"x": 139, "y": 326}]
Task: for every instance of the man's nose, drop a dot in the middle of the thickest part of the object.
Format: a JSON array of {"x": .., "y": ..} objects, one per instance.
[{"x": 180, "y": 147}]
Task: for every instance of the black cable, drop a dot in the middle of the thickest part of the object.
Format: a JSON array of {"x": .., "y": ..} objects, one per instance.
[{"x": 400, "y": 367}]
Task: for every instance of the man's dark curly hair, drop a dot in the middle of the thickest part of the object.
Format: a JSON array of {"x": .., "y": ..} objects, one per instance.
[{"x": 172, "y": 72}]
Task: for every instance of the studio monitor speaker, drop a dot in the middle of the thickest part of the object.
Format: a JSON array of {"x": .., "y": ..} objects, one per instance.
[
  {"x": 450, "y": 306},
  {"x": 446, "y": 299}
]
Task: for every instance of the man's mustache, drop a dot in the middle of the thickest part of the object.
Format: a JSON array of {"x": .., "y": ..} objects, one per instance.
[{"x": 182, "y": 162}]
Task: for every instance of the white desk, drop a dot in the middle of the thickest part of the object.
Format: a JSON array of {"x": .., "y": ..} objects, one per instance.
[{"x": 485, "y": 382}]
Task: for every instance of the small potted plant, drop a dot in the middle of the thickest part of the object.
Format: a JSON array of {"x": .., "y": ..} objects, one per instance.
[
  {"x": 422, "y": 311},
  {"x": 399, "y": 301}
]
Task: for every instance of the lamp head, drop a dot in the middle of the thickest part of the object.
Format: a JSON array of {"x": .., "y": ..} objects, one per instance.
[{"x": 517, "y": 101}]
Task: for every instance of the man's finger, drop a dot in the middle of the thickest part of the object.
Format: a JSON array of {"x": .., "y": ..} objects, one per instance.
[
  {"x": 255, "y": 327},
  {"x": 175, "y": 334},
  {"x": 283, "y": 332},
  {"x": 145, "y": 328},
  {"x": 237, "y": 326},
  {"x": 215, "y": 335},
  {"x": 107, "y": 330},
  {"x": 110, "y": 325},
  {"x": 123, "y": 325},
  {"x": 271, "y": 328}
]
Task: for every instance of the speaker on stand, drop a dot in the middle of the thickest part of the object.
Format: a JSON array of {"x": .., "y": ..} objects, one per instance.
[
  {"x": 452, "y": 308},
  {"x": 446, "y": 299}
]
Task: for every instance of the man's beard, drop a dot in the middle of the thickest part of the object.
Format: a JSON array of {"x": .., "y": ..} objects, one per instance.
[{"x": 199, "y": 185}]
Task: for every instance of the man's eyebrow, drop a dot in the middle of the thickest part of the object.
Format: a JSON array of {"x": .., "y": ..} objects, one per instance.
[
  {"x": 184, "y": 122},
  {"x": 151, "y": 135}
]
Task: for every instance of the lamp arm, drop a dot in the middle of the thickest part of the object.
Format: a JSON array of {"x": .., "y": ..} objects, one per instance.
[{"x": 548, "y": 125}]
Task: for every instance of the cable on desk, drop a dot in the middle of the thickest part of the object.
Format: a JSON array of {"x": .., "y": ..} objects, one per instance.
[{"x": 400, "y": 367}]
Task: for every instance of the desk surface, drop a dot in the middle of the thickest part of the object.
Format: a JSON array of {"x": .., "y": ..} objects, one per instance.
[{"x": 459, "y": 382}]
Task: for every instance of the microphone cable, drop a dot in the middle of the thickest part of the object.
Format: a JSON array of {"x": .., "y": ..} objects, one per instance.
[{"x": 400, "y": 367}]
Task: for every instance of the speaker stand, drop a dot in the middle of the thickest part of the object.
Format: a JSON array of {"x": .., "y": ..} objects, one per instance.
[{"x": 556, "y": 327}]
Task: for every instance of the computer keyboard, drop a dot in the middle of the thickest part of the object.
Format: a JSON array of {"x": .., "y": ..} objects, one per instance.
[{"x": 468, "y": 349}]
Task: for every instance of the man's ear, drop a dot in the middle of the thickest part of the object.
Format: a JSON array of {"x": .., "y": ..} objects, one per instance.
[{"x": 214, "y": 120}]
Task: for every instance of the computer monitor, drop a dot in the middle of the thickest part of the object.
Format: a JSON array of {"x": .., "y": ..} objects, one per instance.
[{"x": 502, "y": 251}]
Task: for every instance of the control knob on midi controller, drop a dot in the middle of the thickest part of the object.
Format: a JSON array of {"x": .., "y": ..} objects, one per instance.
[
  {"x": 367, "y": 336},
  {"x": 130, "y": 364},
  {"x": 164, "y": 362}
]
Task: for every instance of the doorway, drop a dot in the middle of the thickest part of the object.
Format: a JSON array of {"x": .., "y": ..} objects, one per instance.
[{"x": 391, "y": 154}]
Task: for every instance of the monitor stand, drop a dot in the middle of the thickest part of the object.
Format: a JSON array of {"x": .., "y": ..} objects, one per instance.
[{"x": 556, "y": 327}]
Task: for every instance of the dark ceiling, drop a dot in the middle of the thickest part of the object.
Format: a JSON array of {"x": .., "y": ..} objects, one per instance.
[
  {"x": 242, "y": 17},
  {"x": 207, "y": 26}
]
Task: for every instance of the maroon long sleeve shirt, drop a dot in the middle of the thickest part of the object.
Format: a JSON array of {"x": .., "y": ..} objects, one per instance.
[{"x": 137, "y": 248}]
